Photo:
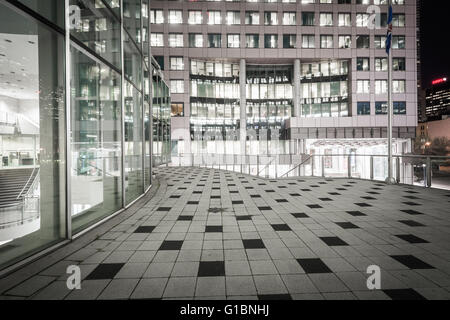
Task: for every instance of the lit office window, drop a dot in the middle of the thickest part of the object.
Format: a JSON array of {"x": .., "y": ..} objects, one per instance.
[
  {"x": 176, "y": 63},
  {"x": 175, "y": 40},
  {"x": 233, "y": 41},
  {"x": 156, "y": 16},
  {"x": 195, "y": 40},
  {"x": 175, "y": 16}
]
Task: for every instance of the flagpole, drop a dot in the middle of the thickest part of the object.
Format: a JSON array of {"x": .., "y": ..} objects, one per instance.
[{"x": 390, "y": 179}]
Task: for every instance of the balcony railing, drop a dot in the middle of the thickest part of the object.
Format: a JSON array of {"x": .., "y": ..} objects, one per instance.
[{"x": 426, "y": 171}]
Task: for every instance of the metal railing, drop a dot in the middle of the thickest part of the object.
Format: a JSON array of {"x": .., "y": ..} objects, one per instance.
[
  {"x": 427, "y": 171},
  {"x": 27, "y": 210}
]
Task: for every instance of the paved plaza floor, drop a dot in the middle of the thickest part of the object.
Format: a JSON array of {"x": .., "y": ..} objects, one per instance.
[{"x": 212, "y": 234}]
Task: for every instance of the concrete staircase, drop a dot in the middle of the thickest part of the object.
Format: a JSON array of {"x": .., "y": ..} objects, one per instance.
[{"x": 12, "y": 181}]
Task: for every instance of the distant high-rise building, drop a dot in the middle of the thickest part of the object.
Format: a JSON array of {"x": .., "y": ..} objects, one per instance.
[{"x": 438, "y": 100}]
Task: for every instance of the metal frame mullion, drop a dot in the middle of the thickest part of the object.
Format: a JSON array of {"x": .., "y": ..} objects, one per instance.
[
  {"x": 68, "y": 147},
  {"x": 142, "y": 99},
  {"x": 124, "y": 202}
]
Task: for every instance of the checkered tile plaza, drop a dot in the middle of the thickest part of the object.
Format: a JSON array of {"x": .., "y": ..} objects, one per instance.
[{"x": 212, "y": 234}]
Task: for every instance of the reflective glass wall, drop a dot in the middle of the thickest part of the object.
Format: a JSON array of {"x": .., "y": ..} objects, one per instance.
[
  {"x": 32, "y": 132},
  {"x": 215, "y": 107},
  {"x": 160, "y": 118},
  {"x": 76, "y": 134}
]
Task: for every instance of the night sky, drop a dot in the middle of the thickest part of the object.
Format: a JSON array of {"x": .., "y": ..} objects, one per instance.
[{"x": 435, "y": 28}]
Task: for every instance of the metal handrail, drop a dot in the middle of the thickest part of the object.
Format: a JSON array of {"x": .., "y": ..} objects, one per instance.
[
  {"x": 273, "y": 159},
  {"x": 26, "y": 184},
  {"x": 296, "y": 167}
]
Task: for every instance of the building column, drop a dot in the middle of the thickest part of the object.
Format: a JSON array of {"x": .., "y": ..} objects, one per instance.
[
  {"x": 296, "y": 94},
  {"x": 243, "y": 105}
]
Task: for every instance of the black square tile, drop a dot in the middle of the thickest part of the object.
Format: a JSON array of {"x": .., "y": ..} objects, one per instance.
[
  {"x": 282, "y": 187},
  {"x": 182, "y": 188},
  {"x": 164, "y": 209},
  {"x": 412, "y": 223},
  {"x": 272, "y": 297},
  {"x": 264, "y": 208},
  {"x": 411, "y": 197},
  {"x": 213, "y": 229},
  {"x": 249, "y": 188},
  {"x": 237, "y": 202},
  {"x": 334, "y": 193},
  {"x": 300, "y": 215},
  {"x": 341, "y": 189},
  {"x": 412, "y": 262},
  {"x": 232, "y": 185},
  {"x": 333, "y": 241},
  {"x": 234, "y": 191},
  {"x": 105, "y": 271},
  {"x": 356, "y": 213},
  {"x": 171, "y": 245},
  {"x": 253, "y": 244},
  {"x": 409, "y": 203},
  {"x": 295, "y": 194},
  {"x": 314, "y": 206},
  {"x": 347, "y": 225},
  {"x": 325, "y": 199},
  {"x": 368, "y": 198},
  {"x": 281, "y": 227},
  {"x": 412, "y": 212},
  {"x": 197, "y": 192},
  {"x": 411, "y": 238},
  {"x": 243, "y": 218},
  {"x": 175, "y": 197},
  {"x": 255, "y": 196},
  {"x": 306, "y": 190},
  {"x": 144, "y": 229},
  {"x": 185, "y": 218},
  {"x": 363, "y": 205},
  {"x": 403, "y": 294},
  {"x": 211, "y": 269},
  {"x": 270, "y": 191},
  {"x": 314, "y": 265},
  {"x": 192, "y": 202},
  {"x": 281, "y": 200},
  {"x": 215, "y": 197}
]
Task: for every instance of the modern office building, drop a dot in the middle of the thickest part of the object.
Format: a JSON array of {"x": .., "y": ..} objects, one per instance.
[
  {"x": 438, "y": 100},
  {"x": 289, "y": 72},
  {"x": 76, "y": 118}
]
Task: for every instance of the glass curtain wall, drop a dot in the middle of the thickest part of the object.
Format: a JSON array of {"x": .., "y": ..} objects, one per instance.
[
  {"x": 106, "y": 102},
  {"x": 269, "y": 105},
  {"x": 160, "y": 118},
  {"x": 215, "y": 108},
  {"x": 96, "y": 146},
  {"x": 32, "y": 131},
  {"x": 324, "y": 89}
]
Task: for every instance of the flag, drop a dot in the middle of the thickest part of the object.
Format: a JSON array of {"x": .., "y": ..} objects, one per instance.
[{"x": 389, "y": 31}]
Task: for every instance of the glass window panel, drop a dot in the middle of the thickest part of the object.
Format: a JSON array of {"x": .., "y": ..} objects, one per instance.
[
  {"x": 95, "y": 141},
  {"x": 36, "y": 145}
]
